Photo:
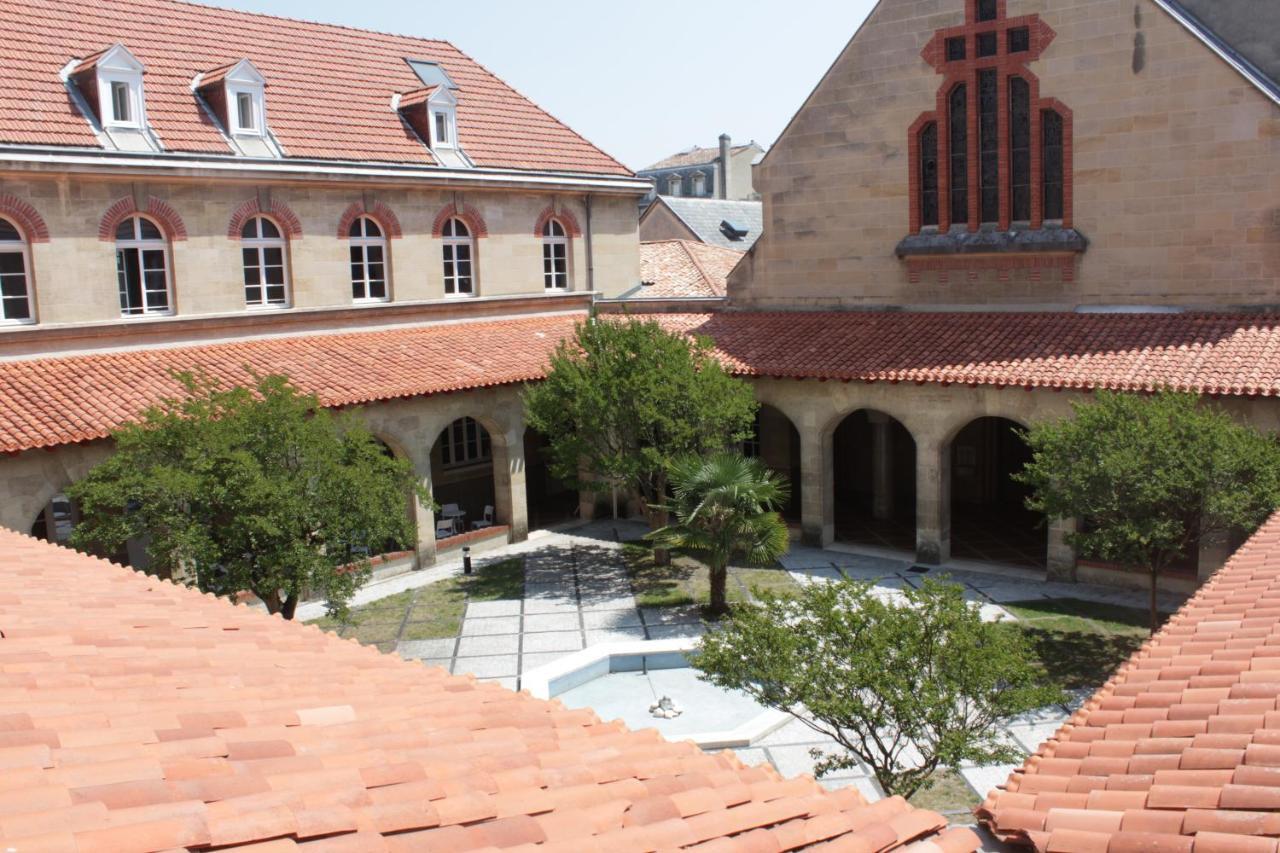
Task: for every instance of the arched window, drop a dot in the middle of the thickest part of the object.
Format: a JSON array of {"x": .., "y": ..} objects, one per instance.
[
  {"x": 15, "y": 286},
  {"x": 673, "y": 185},
  {"x": 988, "y": 146},
  {"x": 142, "y": 268},
  {"x": 459, "y": 258},
  {"x": 1051, "y": 163},
  {"x": 368, "y": 261},
  {"x": 555, "y": 256},
  {"x": 266, "y": 264},
  {"x": 958, "y": 174},
  {"x": 929, "y": 174},
  {"x": 699, "y": 184},
  {"x": 1019, "y": 150}
]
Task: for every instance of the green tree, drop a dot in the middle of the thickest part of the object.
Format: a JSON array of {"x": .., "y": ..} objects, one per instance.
[
  {"x": 906, "y": 686},
  {"x": 251, "y": 488},
  {"x": 725, "y": 507},
  {"x": 624, "y": 398},
  {"x": 1150, "y": 475}
]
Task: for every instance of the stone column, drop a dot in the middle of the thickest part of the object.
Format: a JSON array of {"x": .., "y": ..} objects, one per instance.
[
  {"x": 510, "y": 502},
  {"x": 1061, "y": 564},
  {"x": 933, "y": 500},
  {"x": 424, "y": 519},
  {"x": 817, "y": 488},
  {"x": 881, "y": 465}
]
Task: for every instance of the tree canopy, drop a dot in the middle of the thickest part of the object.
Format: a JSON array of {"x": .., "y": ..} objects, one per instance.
[
  {"x": 725, "y": 507},
  {"x": 250, "y": 488},
  {"x": 1151, "y": 475},
  {"x": 624, "y": 398},
  {"x": 905, "y": 685}
]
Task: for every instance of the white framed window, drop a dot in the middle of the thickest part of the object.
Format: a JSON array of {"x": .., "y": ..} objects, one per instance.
[
  {"x": 673, "y": 185},
  {"x": 555, "y": 256},
  {"x": 15, "y": 276},
  {"x": 246, "y": 113},
  {"x": 459, "y": 259},
  {"x": 442, "y": 134},
  {"x": 142, "y": 268},
  {"x": 266, "y": 264},
  {"x": 123, "y": 97},
  {"x": 368, "y": 261},
  {"x": 464, "y": 442},
  {"x": 699, "y": 184}
]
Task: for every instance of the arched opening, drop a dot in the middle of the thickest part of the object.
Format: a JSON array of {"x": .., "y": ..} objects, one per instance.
[
  {"x": 548, "y": 499},
  {"x": 989, "y": 516},
  {"x": 462, "y": 478},
  {"x": 392, "y": 550},
  {"x": 875, "y": 481},
  {"x": 59, "y": 517},
  {"x": 776, "y": 442}
]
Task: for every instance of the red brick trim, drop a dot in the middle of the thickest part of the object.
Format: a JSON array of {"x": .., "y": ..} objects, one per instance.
[
  {"x": 279, "y": 211},
  {"x": 565, "y": 217},
  {"x": 161, "y": 211},
  {"x": 468, "y": 214},
  {"x": 973, "y": 264},
  {"x": 378, "y": 212},
  {"x": 26, "y": 217}
]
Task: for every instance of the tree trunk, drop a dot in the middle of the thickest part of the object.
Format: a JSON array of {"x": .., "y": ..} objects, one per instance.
[
  {"x": 1155, "y": 610},
  {"x": 659, "y": 517},
  {"x": 719, "y": 576},
  {"x": 271, "y": 600},
  {"x": 290, "y": 605}
]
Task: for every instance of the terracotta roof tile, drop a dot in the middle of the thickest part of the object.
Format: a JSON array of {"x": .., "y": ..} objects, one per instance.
[
  {"x": 329, "y": 87},
  {"x": 1208, "y": 782},
  {"x": 304, "y": 740},
  {"x": 1224, "y": 354},
  {"x": 676, "y": 269}
]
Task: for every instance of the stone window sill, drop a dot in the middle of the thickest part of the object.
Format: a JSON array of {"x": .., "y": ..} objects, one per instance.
[{"x": 988, "y": 241}]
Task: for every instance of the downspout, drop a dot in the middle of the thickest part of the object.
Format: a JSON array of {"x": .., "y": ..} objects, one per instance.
[{"x": 591, "y": 258}]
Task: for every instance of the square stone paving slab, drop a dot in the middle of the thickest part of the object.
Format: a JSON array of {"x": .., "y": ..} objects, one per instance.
[
  {"x": 494, "y": 666},
  {"x": 538, "y": 622},
  {"x": 670, "y": 615},
  {"x": 489, "y": 644},
  {"x": 671, "y": 632},
  {"x": 553, "y": 641},
  {"x": 608, "y": 619},
  {"x": 620, "y": 601},
  {"x": 426, "y": 648},
  {"x": 493, "y": 625},
  {"x": 550, "y": 605},
  {"x": 483, "y": 609},
  {"x": 530, "y": 662},
  {"x": 615, "y": 635}
]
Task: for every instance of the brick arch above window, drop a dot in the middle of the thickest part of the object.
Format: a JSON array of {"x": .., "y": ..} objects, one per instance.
[
  {"x": 468, "y": 214},
  {"x": 378, "y": 211},
  {"x": 159, "y": 210},
  {"x": 565, "y": 218},
  {"x": 277, "y": 210},
  {"x": 26, "y": 217}
]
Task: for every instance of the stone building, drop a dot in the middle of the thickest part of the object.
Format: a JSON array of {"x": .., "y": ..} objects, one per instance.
[
  {"x": 184, "y": 186},
  {"x": 983, "y": 209},
  {"x": 723, "y": 172}
]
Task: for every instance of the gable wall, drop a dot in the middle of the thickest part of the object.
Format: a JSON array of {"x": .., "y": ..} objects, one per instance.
[{"x": 1177, "y": 170}]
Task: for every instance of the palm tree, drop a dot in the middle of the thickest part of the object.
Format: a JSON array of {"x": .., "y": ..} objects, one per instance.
[{"x": 725, "y": 507}]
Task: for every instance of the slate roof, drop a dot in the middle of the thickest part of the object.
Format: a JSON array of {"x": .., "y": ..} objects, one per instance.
[
  {"x": 1247, "y": 32},
  {"x": 48, "y": 401},
  {"x": 695, "y": 156},
  {"x": 328, "y": 89},
  {"x": 1205, "y": 353},
  {"x": 138, "y": 715},
  {"x": 682, "y": 269},
  {"x": 1180, "y": 751},
  {"x": 705, "y": 215}
]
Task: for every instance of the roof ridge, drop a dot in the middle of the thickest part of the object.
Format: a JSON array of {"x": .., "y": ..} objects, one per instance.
[{"x": 697, "y": 264}]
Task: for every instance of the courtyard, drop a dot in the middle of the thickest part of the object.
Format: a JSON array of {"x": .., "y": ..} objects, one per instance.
[{"x": 593, "y": 583}]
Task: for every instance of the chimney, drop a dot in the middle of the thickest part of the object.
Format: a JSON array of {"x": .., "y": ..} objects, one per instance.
[{"x": 725, "y": 145}]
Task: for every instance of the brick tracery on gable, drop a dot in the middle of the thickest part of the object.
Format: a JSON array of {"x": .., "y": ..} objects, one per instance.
[{"x": 991, "y": 164}]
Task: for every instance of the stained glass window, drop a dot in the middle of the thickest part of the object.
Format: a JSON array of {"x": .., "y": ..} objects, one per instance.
[
  {"x": 988, "y": 44},
  {"x": 1020, "y": 149},
  {"x": 1051, "y": 163},
  {"x": 955, "y": 49},
  {"x": 1019, "y": 40},
  {"x": 958, "y": 132},
  {"x": 988, "y": 146},
  {"x": 929, "y": 174},
  {"x": 986, "y": 10}
]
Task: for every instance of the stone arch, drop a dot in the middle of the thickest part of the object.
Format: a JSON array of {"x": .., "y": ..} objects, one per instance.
[
  {"x": 873, "y": 481},
  {"x": 277, "y": 210},
  {"x": 562, "y": 215},
  {"x": 776, "y": 442},
  {"x": 468, "y": 214},
  {"x": 469, "y": 469},
  {"x": 160, "y": 211},
  {"x": 378, "y": 211},
  {"x": 26, "y": 217}
]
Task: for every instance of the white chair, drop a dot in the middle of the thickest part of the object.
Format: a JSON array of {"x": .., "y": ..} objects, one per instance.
[
  {"x": 486, "y": 521},
  {"x": 445, "y": 527},
  {"x": 451, "y": 511}
]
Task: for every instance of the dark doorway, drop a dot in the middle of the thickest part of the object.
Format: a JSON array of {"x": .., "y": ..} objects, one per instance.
[
  {"x": 875, "y": 481},
  {"x": 462, "y": 478},
  {"x": 776, "y": 443},
  {"x": 548, "y": 500},
  {"x": 989, "y": 516}
]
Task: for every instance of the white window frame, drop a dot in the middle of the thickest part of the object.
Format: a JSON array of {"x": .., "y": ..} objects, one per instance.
[
  {"x": 363, "y": 243},
  {"x": 457, "y": 453},
  {"x": 22, "y": 248},
  {"x": 552, "y": 281},
  {"x": 234, "y": 94},
  {"x": 675, "y": 185},
  {"x": 449, "y": 253},
  {"x": 260, "y": 245},
  {"x": 699, "y": 184},
  {"x": 448, "y": 116},
  {"x": 118, "y": 65},
  {"x": 138, "y": 244}
]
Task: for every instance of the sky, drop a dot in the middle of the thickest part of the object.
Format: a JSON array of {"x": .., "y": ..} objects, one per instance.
[{"x": 641, "y": 81}]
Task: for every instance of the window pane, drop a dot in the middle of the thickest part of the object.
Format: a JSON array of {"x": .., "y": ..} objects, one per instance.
[
  {"x": 1019, "y": 40},
  {"x": 8, "y": 232},
  {"x": 986, "y": 10},
  {"x": 129, "y": 268},
  {"x": 124, "y": 231},
  {"x": 275, "y": 294},
  {"x": 120, "y": 101},
  {"x": 955, "y": 49},
  {"x": 464, "y": 252},
  {"x": 1019, "y": 149},
  {"x": 371, "y": 228},
  {"x": 273, "y": 255},
  {"x": 17, "y": 308},
  {"x": 958, "y": 132},
  {"x": 252, "y": 275},
  {"x": 148, "y": 230},
  {"x": 253, "y": 295},
  {"x": 13, "y": 285},
  {"x": 374, "y": 254},
  {"x": 244, "y": 102},
  {"x": 929, "y": 174},
  {"x": 354, "y": 230},
  {"x": 987, "y": 44},
  {"x": 250, "y": 229},
  {"x": 274, "y": 275},
  {"x": 12, "y": 263},
  {"x": 1052, "y": 164},
  {"x": 988, "y": 146},
  {"x": 269, "y": 229}
]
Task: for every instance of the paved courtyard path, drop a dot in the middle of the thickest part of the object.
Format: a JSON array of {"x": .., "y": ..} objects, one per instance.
[{"x": 577, "y": 594}]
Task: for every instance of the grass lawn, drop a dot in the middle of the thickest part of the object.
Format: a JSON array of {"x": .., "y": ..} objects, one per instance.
[
  {"x": 430, "y": 612},
  {"x": 686, "y": 581},
  {"x": 1081, "y": 643},
  {"x": 948, "y": 795}
]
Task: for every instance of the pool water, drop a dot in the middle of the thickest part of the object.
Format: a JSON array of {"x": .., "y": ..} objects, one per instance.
[{"x": 627, "y": 696}]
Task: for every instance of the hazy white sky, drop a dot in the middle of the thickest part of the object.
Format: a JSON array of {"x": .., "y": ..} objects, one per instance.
[{"x": 641, "y": 80}]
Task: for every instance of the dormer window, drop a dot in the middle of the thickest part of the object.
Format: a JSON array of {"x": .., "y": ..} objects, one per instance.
[
  {"x": 110, "y": 82},
  {"x": 246, "y": 113},
  {"x": 235, "y": 94},
  {"x": 121, "y": 99},
  {"x": 443, "y": 136},
  {"x": 432, "y": 112}
]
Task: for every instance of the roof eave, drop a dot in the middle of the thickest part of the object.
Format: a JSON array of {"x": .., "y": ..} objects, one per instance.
[{"x": 1247, "y": 69}]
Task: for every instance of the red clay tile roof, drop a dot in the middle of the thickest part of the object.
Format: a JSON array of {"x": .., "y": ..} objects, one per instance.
[
  {"x": 137, "y": 715},
  {"x": 60, "y": 400},
  {"x": 684, "y": 268},
  {"x": 1180, "y": 751},
  {"x": 329, "y": 88},
  {"x": 1205, "y": 353}
]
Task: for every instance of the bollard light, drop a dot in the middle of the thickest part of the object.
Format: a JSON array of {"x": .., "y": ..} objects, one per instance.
[{"x": 466, "y": 559}]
